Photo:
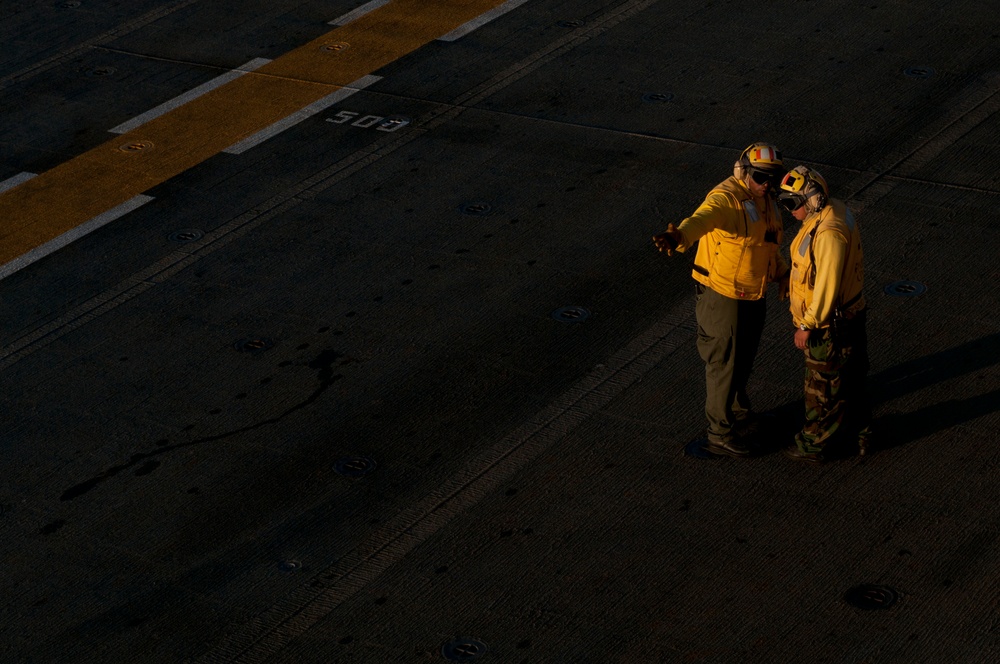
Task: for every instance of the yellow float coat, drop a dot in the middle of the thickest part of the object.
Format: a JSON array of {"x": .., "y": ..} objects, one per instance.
[
  {"x": 738, "y": 239},
  {"x": 839, "y": 275}
]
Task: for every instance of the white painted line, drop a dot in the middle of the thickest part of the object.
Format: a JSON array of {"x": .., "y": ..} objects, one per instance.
[
  {"x": 359, "y": 12},
  {"x": 481, "y": 20},
  {"x": 20, "y": 178},
  {"x": 194, "y": 93},
  {"x": 69, "y": 236},
  {"x": 297, "y": 117}
]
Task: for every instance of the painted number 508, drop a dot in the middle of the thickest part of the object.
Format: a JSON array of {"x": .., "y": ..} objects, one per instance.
[{"x": 365, "y": 121}]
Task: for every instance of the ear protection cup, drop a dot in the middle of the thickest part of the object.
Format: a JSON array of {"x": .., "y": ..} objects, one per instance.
[
  {"x": 814, "y": 193},
  {"x": 815, "y": 197},
  {"x": 741, "y": 169}
]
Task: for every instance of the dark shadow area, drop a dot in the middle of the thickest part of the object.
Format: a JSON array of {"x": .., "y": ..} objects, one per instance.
[
  {"x": 774, "y": 429},
  {"x": 778, "y": 426},
  {"x": 901, "y": 428},
  {"x": 923, "y": 372}
]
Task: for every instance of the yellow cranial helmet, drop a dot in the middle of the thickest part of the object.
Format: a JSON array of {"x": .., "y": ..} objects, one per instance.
[
  {"x": 761, "y": 161},
  {"x": 804, "y": 186}
]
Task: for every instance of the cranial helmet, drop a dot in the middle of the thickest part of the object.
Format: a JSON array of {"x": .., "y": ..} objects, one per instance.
[
  {"x": 803, "y": 186},
  {"x": 761, "y": 158}
]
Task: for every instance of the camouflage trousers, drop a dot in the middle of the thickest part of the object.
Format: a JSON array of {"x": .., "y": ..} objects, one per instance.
[{"x": 836, "y": 401}]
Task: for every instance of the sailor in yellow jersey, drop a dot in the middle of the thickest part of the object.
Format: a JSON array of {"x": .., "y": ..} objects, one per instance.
[
  {"x": 737, "y": 230},
  {"x": 826, "y": 292}
]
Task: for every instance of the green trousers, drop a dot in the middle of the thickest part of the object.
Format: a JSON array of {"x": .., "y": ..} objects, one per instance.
[
  {"x": 728, "y": 337},
  {"x": 836, "y": 400}
]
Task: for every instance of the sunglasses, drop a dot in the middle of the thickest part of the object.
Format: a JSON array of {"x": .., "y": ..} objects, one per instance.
[{"x": 762, "y": 177}]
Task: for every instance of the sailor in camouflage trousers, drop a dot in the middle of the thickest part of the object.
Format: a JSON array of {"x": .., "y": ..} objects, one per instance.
[
  {"x": 835, "y": 395},
  {"x": 826, "y": 292}
]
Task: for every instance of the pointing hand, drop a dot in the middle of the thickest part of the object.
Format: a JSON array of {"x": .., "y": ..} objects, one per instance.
[{"x": 668, "y": 240}]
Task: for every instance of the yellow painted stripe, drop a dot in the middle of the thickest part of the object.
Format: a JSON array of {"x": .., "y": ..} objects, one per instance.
[{"x": 70, "y": 194}]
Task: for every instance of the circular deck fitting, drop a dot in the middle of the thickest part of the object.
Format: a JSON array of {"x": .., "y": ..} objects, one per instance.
[
  {"x": 136, "y": 146},
  {"x": 354, "y": 466},
  {"x": 289, "y": 565},
  {"x": 572, "y": 314},
  {"x": 475, "y": 209},
  {"x": 335, "y": 47},
  {"x": 574, "y": 23},
  {"x": 185, "y": 235},
  {"x": 871, "y": 597},
  {"x": 905, "y": 288},
  {"x": 254, "y": 345},
  {"x": 463, "y": 650},
  {"x": 696, "y": 450},
  {"x": 919, "y": 72},
  {"x": 658, "y": 97}
]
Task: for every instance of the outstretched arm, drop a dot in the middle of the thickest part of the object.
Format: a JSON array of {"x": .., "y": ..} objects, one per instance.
[{"x": 715, "y": 212}]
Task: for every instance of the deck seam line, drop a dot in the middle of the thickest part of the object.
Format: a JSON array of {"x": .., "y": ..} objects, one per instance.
[
  {"x": 236, "y": 228},
  {"x": 294, "y": 614},
  {"x": 123, "y": 29}
]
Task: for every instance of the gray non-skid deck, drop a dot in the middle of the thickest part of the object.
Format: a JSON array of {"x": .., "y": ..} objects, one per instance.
[{"x": 171, "y": 493}]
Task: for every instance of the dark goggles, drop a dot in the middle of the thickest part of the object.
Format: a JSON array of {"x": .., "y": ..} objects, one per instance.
[
  {"x": 763, "y": 177},
  {"x": 791, "y": 202}
]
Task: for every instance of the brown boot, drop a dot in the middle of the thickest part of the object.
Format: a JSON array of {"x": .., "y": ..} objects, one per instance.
[
  {"x": 795, "y": 454},
  {"x": 728, "y": 447}
]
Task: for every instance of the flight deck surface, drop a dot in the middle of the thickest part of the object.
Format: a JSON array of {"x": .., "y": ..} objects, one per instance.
[{"x": 334, "y": 332}]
